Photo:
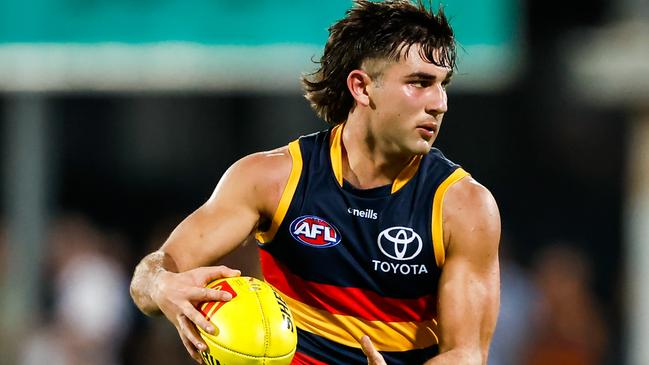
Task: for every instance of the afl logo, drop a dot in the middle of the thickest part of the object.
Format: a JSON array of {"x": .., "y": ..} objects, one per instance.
[
  {"x": 314, "y": 231},
  {"x": 400, "y": 243}
]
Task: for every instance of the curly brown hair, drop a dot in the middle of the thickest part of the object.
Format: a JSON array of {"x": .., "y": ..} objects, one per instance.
[{"x": 375, "y": 30}]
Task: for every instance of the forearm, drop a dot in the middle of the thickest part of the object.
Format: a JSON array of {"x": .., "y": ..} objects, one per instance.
[{"x": 143, "y": 284}]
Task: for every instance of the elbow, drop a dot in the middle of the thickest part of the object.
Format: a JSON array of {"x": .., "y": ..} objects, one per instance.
[
  {"x": 475, "y": 357},
  {"x": 466, "y": 356}
]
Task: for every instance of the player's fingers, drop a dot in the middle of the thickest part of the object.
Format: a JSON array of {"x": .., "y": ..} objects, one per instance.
[
  {"x": 198, "y": 318},
  {"x": 366, "y": 346},
  {"x": 373, "y": 356},
  {"x": 210, "y": 273},
  {"x": 207, "y": 295},
  {"x": 190, "y": 347},
  {"x": 189, "y": 331}
]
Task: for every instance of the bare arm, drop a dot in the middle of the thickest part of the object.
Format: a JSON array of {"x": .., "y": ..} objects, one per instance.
[
  {"x": 172, "y": 279},
  {"x": 469, "y": 288}
]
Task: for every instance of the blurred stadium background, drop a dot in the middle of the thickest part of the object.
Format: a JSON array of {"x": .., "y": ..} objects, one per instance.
[{"x": 118, "y": 118}]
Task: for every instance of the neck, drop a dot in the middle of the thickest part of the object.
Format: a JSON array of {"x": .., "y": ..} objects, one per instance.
[{"x": 367, "y": 163}]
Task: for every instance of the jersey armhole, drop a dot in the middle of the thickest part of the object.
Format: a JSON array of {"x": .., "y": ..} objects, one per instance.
[
  {"x": 264, "y": 237},
  {"x": 437, "y": 221}
]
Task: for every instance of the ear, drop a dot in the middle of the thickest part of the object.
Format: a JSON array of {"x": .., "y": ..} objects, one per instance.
[{"x": 357, "y": 82}]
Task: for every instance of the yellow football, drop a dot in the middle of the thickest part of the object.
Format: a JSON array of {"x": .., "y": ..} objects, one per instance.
[{"x": 255, "y": 327}]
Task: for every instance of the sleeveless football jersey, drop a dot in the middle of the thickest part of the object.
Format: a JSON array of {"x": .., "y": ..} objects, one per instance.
[{"x": 353, "y": 262}]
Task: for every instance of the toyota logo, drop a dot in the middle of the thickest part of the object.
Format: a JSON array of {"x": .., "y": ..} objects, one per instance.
[{"x": 400, "y": 243}]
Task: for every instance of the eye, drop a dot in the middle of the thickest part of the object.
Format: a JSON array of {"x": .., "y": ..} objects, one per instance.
[{"x": 421, "y": 83}]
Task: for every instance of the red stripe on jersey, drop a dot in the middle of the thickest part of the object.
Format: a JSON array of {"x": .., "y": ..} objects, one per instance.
[
  {"x": 360, "y": 303},
  {"x": 302, "y": 359}
]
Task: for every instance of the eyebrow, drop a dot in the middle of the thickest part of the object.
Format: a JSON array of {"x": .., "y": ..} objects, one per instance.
[{"x": 427, "y": 76}]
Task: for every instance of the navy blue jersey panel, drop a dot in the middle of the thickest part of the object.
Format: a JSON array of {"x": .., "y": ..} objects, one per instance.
[{"x": 374, "y": 240}]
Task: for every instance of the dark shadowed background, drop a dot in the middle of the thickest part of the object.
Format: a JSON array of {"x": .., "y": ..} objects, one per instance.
[{"x": 117, "y": 120}]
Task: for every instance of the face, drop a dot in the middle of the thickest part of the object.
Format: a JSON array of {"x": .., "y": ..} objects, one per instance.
[{"x": 407, "y": 103}]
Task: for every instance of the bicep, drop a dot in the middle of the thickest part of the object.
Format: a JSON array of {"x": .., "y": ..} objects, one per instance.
[
  {"x": 469, "y": 288},
  {"x": 224, "y": 221},
  {"x": 208, "y": 234}
]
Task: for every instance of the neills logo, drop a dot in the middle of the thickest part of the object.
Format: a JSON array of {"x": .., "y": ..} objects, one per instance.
[{"x": 367, "y": 213}]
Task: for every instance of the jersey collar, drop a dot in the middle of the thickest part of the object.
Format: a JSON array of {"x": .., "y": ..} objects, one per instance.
[{"x": 336, "y": 156}]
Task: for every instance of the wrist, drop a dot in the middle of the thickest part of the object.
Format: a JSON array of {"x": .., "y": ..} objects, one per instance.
[
  {"x": 147, "y": 283},
  {"x": 157, "y": 284}
]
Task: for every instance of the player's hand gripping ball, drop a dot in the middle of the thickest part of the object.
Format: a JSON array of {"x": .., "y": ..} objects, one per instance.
[{"x": 255, "y": 327}]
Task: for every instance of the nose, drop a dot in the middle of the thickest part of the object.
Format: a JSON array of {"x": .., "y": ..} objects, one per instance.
[{"x": 437, "y": 101}]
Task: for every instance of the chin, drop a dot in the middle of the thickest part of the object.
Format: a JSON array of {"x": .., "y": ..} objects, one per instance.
[{"x": 421, "y": 148}]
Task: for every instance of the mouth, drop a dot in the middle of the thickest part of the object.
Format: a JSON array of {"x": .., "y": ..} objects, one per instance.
[{"x": 428, "y": 129}]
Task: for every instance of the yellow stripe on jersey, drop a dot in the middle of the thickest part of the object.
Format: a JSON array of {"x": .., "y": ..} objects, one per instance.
[
  {"x": 348, "y": 330},
  {"x": 437, "y": 224},
  {"x": 287, "y": 195},
  {"x": 336, "y": 152},
  {"x": 406, "y": 174}
]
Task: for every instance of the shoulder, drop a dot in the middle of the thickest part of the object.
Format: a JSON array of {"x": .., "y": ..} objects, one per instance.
[
  {"x": 267, "y": 164},
  {"x": 470, "y": 215},
  {"x": 258, "y": 178},
  {"x": 468, "y": 192},
  {"x": 280, "y": 160}
]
